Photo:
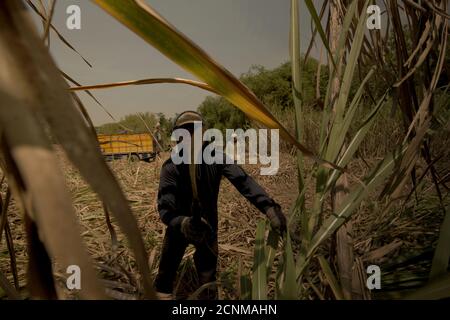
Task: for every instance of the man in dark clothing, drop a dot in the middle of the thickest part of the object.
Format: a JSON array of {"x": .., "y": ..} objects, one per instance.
[{"x": 178, "y": 209}]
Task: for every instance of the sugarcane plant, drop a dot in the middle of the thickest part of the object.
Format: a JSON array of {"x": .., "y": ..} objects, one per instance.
[
  {"x": 351, "y": 47},
  {"x": 348, "y": 48}
]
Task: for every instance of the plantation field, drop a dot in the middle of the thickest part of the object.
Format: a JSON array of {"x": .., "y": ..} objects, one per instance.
[
  {"x": 384, "y": 239},
  {"x": 364, "y": 175}
]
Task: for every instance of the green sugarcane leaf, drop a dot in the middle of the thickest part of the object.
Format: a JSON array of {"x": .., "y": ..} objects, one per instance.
[
  {"x": 288, "y": 288},
  {"x": 344, "y": 90},
  {"x": 357, "y": 139},
  {"x": 326, "y": 143},
  {"x": 259, "y": 280},
  {"x": 354, "y": 198},
  {"x": 246, "y": 287},
  {"x": 271, "y": 250},
  {"x": 352, "y": 201},
  {"x": 336, "y": 71},
  {"x": 331, "y": 278},
  {"x": 296, "y": 69},
  {"x": 341, "y": 126},
  {"x": 334, "y": 114}
]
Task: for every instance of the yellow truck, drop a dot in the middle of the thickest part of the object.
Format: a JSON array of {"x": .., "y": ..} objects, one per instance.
[{"x": 134, "y": 147}]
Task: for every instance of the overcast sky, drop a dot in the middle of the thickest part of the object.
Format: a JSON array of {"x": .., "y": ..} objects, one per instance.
[{"x": 237, "y": 33}]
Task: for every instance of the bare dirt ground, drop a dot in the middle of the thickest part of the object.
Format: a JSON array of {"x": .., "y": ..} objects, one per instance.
[{"x": 378, "y": 237}]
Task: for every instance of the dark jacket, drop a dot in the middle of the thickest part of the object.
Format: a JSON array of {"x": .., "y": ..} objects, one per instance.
[{"x": 175, "y": 191}]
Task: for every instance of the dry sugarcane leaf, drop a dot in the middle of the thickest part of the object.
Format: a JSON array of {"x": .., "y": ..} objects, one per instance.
[
  {"x": 49, "y": 21},
  {"x": 314, "y": 32},
  {"x": 41, "y": 85},
  {"x": 70, "y": 79},
  {"x": 60, "y": 36},
  {"x": 198, "y": 84},
  {"x": 4, "y": 225},
  {"x": 40, "y": 282},
  {"x": 12, "y": 253},
  {"x": 421, "y": 123},
  {"x": 359, "y": 280},
  {"x": 415, "y": 5},
  {"x": 112, "y": 231},
  {"x": 421, "y": 59},
  {"x": 379, "y": 253},
  {"x": 423, "y": 38},
  {"x": 37, "y": 184},
  {"x": 8, "y": 288},
  {"x": 4, "y": 210}
]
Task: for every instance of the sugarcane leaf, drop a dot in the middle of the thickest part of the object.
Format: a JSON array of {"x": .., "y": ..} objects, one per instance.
[
  {"x": 40, "y": 86},
  {"x": 442, "y": 253},
  {"x": 314, "y": 32},
  {"x": 357, "y": 139},
  {"x": 60, "y": 36},
  {"x": 336, "y": 72},
  {"x": 271, "y": 250},
  {"x": 246, "y": 287},
  {"x": 331, "y": 278},
  {"x": 12, "y": 254},
  {"x": 288, "y": 287},
  {"x": 144, "y": 82},
  {"x": 318, "y": 25},
  {"x": 27, "y": 153},
  {"x": 354, "y": 198},
  {"x": 337, "y": 133},
  {"x": 341, "y": 126},
  {"x": 309, "y": 221},
  {"x": 244, "y": 283},
  {"x": 259, "y": 279},
  {"x": 296, "y": 70}
]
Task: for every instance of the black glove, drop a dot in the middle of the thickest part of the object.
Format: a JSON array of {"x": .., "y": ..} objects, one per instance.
[
  {"x": 195, "y": 231},
  {"x": 277, "y": 218}
]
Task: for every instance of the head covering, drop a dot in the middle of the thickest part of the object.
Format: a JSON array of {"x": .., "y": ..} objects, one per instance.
[{"x": 186, "y": 118}]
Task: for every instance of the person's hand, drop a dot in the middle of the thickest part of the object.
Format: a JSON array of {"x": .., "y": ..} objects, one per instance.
[
  {"x": 277, "y": 219},
  {"x": 195, "y": 231}
]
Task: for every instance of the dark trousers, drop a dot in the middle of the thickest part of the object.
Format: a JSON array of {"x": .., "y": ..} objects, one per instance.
[{"x": 205, "y": 260}]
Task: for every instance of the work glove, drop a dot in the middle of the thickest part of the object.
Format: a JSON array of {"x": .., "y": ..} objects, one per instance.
[
  {"x": 195, "y": 231},
  {"x": 277, "y": 219}
]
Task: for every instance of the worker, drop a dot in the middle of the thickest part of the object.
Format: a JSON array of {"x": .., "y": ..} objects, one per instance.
[{"x": 178, "y": 211}]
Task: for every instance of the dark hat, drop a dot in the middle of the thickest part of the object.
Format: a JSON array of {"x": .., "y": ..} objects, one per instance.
[{"x": 186, "y": 118}]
